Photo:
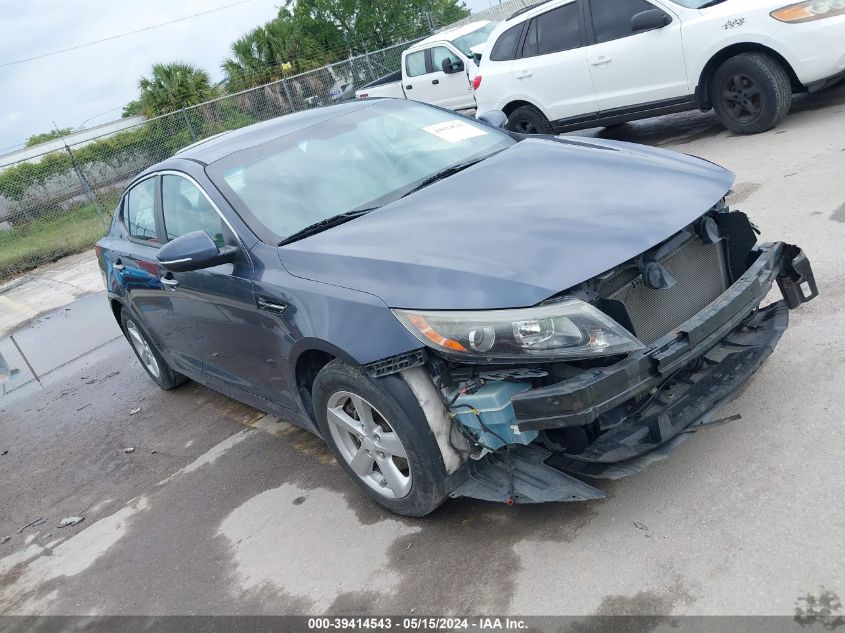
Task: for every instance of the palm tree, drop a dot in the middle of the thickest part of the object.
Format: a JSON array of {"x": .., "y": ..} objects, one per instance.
[
  {"x": 269, "y": 53},
  {"x": 173, "y": 86}
]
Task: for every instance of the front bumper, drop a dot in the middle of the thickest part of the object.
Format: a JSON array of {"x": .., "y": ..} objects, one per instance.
[{"x": 680, "y": 380}]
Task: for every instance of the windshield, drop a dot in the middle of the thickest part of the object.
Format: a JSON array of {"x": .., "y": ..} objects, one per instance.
[
  {"x": 464, "y": 43},
  {"x": 362, "y": 159}
]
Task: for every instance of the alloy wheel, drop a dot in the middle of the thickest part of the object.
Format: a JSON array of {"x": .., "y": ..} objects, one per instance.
[
  {"x": 142, "y": 347},
  {"x": 742, "y": 98},
  {"x": 369, "y": 445}
]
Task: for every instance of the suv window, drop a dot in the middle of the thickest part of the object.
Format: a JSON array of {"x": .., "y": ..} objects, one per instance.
[
  {"x": 554, "y": 31},
  {"x": 415, "y": 64},
  {"x": 612, "y": 18},
  {"x": 139, "y": 211},
  {"x": 438, "y": 54},
  {"x": 505, "y": 47},
  {"x": 186, "y": 209}
]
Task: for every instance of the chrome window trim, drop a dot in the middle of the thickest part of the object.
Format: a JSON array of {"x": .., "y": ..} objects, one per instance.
[{"x": 121, "y": 219}]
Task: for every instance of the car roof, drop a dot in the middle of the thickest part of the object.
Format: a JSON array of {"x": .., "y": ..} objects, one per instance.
[
  {"x": 220, "y": 145},
  {"x": 450, "y": 34}
]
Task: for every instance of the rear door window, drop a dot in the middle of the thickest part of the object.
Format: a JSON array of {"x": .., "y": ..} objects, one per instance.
[
  {"x": 505, "y": 47},
  {"x": 612, "y": 18},
  {"x": 554, "y": 31},
  {"x": 139, "y": 211},
  {"x": 415, "y": 64}
]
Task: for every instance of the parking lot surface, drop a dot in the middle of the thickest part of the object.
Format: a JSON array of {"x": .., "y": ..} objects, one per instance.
[{"x": 222, "y": 510}]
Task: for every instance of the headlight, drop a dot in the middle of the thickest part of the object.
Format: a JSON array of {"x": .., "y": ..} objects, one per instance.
[
  {"x": 568, "y": 329},
  {"x": 807, "y": 11}
]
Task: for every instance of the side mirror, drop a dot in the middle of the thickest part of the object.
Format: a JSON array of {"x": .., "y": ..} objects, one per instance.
[
  {"x": 496, "y": 118},
  {"x": 450, "y": 68},
  {"x": 194, "y": 251},
  {"x": 650, "y": 20}
]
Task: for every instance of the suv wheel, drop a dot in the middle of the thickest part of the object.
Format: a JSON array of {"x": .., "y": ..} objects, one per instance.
[
  {"x": 389, "y": 451},
  {"x": 150, "y": 358},
  {"x": 528, "y": 120},
  {"x": 751, "y": 93}
]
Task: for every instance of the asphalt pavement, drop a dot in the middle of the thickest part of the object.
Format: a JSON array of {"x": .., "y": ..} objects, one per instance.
[{"x": 222, "y": 510}]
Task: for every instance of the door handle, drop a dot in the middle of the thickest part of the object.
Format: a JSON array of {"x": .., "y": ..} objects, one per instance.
[
  {"x": 169, "y": 282},
  {"x": 435, "y": 81},
  {"x": 268, "y": 305},
  {"x": 523, "y": 75},
  {"x": 600, "y": 61},
  {"x": 408, "y": 87},
  {"x": 118, "y": 266}
]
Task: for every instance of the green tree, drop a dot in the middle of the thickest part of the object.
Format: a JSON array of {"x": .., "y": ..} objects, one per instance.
[
  {"x": 270, "y": 52},
  {"x": 37, "y": 139},
  {"x": 360, "y": 25},
  {"x": 173, "y": 86},
  {"x": 133, "y": 108}
]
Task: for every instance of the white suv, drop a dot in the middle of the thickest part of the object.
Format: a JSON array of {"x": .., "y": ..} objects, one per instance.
[{"x": 570, "y": 64}]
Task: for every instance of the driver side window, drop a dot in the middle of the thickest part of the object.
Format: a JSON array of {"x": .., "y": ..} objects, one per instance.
[
  {"x": 186, "y": 209},
  {"x": 438, "y": 54},
  {"x": 612, "y": 18}
]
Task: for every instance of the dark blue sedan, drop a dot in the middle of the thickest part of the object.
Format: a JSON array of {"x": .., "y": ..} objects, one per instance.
[{"x": 456, "y": 310}]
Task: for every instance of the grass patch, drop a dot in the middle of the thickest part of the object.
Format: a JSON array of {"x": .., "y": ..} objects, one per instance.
[{"x": 29, "y": 244}]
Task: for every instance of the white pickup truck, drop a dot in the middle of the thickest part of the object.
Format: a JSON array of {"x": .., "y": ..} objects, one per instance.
[
  {"x": 438, "y": 70},
  {"x": 570, "y": 64}
]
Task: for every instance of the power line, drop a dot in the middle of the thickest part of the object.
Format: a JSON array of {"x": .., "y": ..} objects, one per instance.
[{"x": 114, "y": 37}]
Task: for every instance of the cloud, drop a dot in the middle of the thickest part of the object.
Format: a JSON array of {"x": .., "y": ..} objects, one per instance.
[{"x": 96, "y": 81}]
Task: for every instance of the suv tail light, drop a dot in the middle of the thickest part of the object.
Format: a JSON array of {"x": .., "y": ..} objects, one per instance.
[{"x": 476, "y": 82}]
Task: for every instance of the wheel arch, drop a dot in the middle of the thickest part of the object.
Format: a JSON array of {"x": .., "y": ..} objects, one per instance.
[
  {"x": 116, "y": 308},
  {"x": 509, "y": 108},
  {"x": 702, "y": 90},
  {"x": 307, "y": 358}
]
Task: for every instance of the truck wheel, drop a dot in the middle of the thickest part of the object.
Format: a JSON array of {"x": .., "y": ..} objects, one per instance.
[
  {"x": 380, "y": 437},
  {"x": 528, "y": 120},
  {"x": 751, "y": 93}
]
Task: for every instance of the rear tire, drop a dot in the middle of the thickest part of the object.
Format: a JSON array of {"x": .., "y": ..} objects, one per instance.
[
  {"x": 528, "y": 120},
  {"x": 148, "y": 355},
  {"x": 383, "y": 443},
  {"x": 751, "y": 93}
]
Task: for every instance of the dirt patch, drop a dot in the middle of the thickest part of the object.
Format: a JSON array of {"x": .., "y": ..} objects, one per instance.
[
  {"x": 742, "y": 191},
  {"x": 824, "y": 609},
  {"x": 462, "y": 560},
  {"x": 641, "y": 612}
]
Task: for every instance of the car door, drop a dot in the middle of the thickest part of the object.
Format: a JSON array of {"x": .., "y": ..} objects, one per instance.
[
  {"x": 450, "y": 90},
  {"x": 217, "y": 308},
  {"x": 416, "y": 81},
  {"x": 551, "y": 69},
  {"x": 136, "y": 268},
  {"x": 634, "y": 68}
]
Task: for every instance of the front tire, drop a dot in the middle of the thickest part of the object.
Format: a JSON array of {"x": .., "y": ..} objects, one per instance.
[
  {"x": 751, "y": 93},
  {"x": 528, "y": 120},
  {"x": 388, "y": 450},
  {"x": 148, "y": 355}
]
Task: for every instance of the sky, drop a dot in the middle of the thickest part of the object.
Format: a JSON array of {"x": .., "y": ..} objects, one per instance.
[{"x": 90, "y": 85}]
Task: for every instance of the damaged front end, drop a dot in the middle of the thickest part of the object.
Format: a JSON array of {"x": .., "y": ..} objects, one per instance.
[{"x": 655, "y": 347}]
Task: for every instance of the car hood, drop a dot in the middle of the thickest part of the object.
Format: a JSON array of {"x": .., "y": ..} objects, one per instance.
[{"x": 517, "y": 228}]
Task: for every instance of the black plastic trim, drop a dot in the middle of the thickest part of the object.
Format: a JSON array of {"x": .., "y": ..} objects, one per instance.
[{"x": 580, "y": 400}]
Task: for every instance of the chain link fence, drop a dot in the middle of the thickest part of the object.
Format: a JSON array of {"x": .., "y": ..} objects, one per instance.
[{"x": 61, "y": 201}]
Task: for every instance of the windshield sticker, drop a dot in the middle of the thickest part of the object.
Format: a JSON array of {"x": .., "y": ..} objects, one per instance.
[{"x": 454, "y": 131}]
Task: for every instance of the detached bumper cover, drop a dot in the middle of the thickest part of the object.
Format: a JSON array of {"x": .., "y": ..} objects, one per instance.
[{"x": 731, "y": 345}]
